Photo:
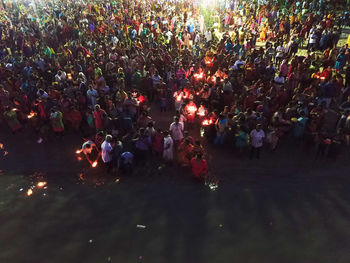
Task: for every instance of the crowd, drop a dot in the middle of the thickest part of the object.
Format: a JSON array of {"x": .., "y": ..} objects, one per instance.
[{"x": 97, "y": 68}]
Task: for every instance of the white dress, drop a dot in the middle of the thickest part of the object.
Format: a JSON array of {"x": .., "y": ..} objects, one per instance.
[{"x": 168, "y": 152}]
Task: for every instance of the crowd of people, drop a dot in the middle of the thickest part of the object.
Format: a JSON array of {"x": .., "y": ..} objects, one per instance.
[{"x": 98, "y": 68}]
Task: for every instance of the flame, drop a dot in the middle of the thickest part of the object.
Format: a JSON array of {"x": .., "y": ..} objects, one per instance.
[
  {"x": 94, "y": 164},
  {"x": 79, "y": 158},
  {"x": 207, "y": 122},
  {"x": 178, "y": 98},
  {"x": 192, "y": 109},
  {"x": 198, "y": 75},
  {"x": 31, "y": 114},
  {"x": 1, "y": 146},
  {"x": 29, "y": 192},
  {"x": 41, "y": 184},
  {"x": 78, "y": 151},
  {"x": 201, "y": 111}
]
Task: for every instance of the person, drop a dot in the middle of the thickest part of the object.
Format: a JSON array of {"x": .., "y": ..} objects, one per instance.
[
  {"x": 221, "y": 127},
  {"x": 126, "y": 162},
  {"x": 116, "y": 154},
  {"x": 106, "y": 151},
  {"x": 56, "y": 118},
  {"x": 257, "y": 136},
  {"x": 185, "y": 152},
  {"x": 168, "y": 148},
  {"x": 92, "y": 96},
  {"x": 241, "y": 140},
  {"x": 98, "y": 117},
  {"x": 199, "y": 167},
  {"x": 87, "y": 148},
  {"x": 158, "y": 142},
  {"x": 300, "y": 125},
  {"x": 10, "y": 116},
  {"x": 176, "y": 129}
]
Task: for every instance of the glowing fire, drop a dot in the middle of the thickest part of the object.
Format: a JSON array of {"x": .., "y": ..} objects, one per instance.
[
  {"x": 29, "y": 192},
  {"x": 94, "y": 164},
  {"x": 198, "y": 75},
  {"x": 192, "y": 109},
  {"x": 41, "y": 184},
  {"x": 178, "y": 98},
  {"x": 31, "y": 114},
  {"x": 79, "y": 158},
  {"x": 78, "y": 151},
  {"x": 201, "y": 111},
  {"x": 207, "y": 122}
]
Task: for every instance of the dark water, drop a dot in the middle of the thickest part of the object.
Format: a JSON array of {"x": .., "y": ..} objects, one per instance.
[{"x": 283, "y": 208}]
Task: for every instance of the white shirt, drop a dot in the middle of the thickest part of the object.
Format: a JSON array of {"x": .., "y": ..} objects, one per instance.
[
  {"x": 257, "y": 138},
  {"x": 106, "y": 148},
  {"x": 176, "y": 131},
  {"x": 280, "y": 51}
]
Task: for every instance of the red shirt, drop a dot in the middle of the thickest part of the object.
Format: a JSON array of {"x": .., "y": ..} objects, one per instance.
[{"x": 98, "y": 118}]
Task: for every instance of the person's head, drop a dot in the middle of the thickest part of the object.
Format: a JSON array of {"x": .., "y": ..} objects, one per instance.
[
  {"x": 199, "y": 156},
  {"x": 258, "y": 127},
  {"x": 165, "y": 133},
  {"x": 97, "y": 107},
  {"x": 176, "y": 119},
  {"x": 109, "y": 138},
  {"x": 88, "y": 146}
]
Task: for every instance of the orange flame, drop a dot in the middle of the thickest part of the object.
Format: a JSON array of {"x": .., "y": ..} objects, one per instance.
[
  {"x": 31, "y": 114},
  {"x": 29, "y": 192},
  {"x": 94, "y": 164},
  {"x": 41, "y": 184},
  {"x": 192, "y": 109},
  {"x": 207, "y": 122},
  {"x": 78, "y": 151}
]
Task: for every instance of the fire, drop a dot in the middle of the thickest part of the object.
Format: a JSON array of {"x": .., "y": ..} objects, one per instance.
[
  {"x": 207, "y": 122},
  {"x": 78, "y": 151},
  {"x": 41, "y": 184},
  {"x": 29, "y": 192},
  {"x": 31, "y": 114},
  {"x": 94, "y": 164},
  {"x": 201, "y": 111},
  {"x": 178, "y": 98},
  {"x": 1, "y": 146},
  {"x": 198, "y": 75},
  {"x": 79, "y": 158},
  {"x": 192, "y": 109}
]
